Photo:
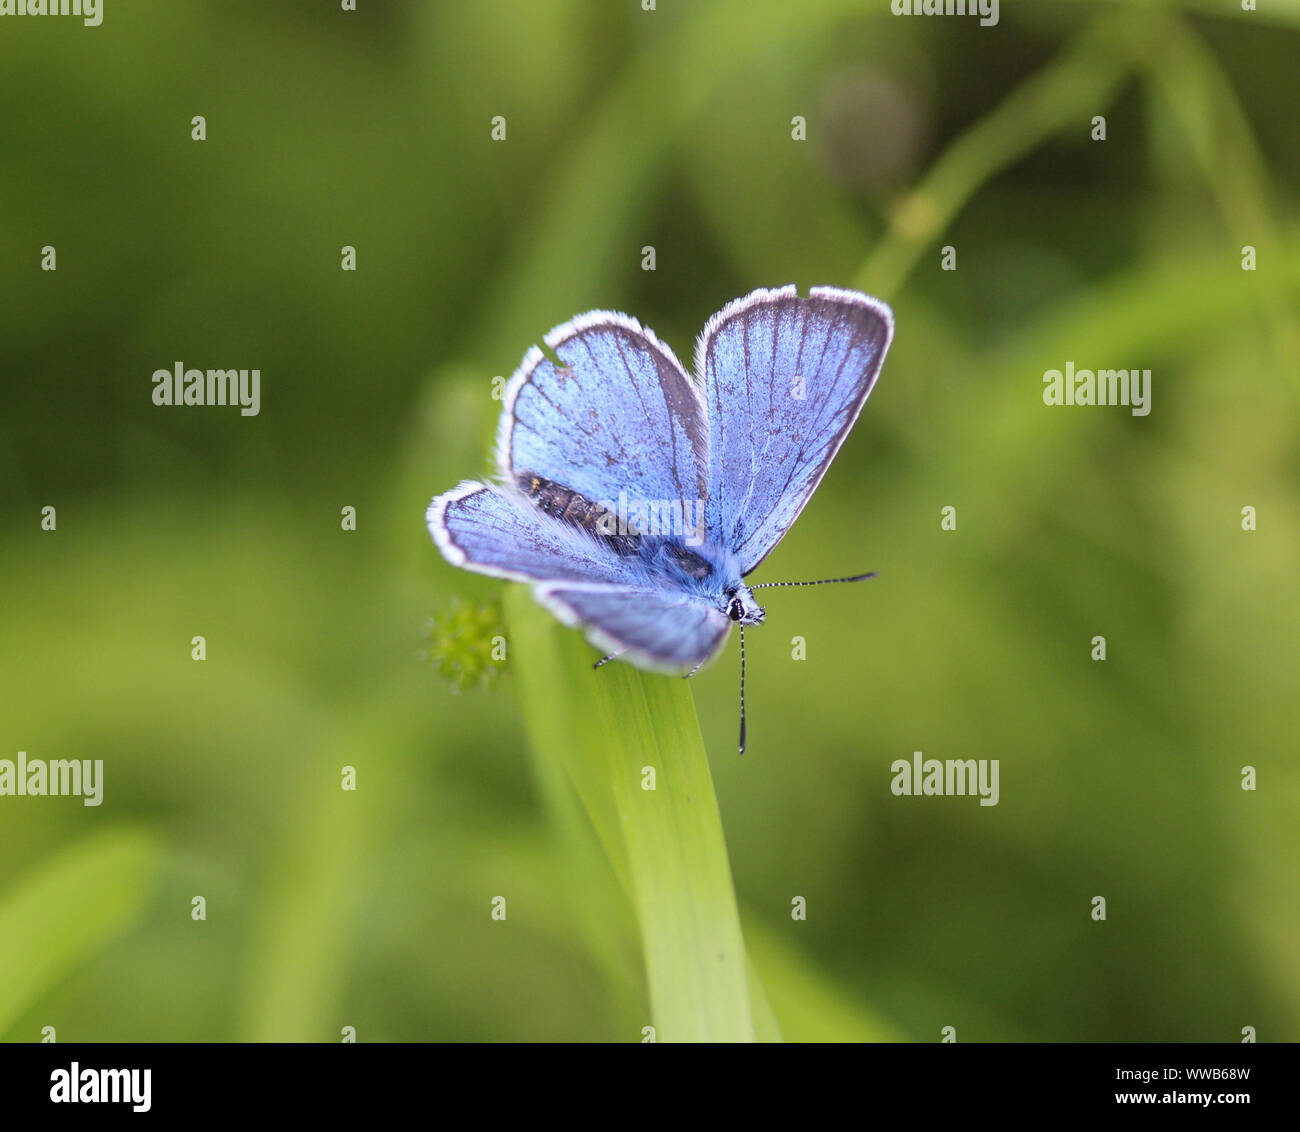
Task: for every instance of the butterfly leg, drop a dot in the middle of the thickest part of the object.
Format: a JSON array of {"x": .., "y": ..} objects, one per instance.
[
  {"x": 693, "y": 671},
  {"x": 607, "y": 659}
]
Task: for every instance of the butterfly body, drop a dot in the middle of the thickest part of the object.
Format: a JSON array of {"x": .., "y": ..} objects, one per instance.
[
  {"x": 708, "y": 569},
  {"x": 635, "y": 498},
  {"x": 569, "y": 506}
]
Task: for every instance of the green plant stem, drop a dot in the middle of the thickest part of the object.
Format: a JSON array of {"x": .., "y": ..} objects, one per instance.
[
  {"x": 610, "y": 729},
  {"x": 1067, "y": 92}
]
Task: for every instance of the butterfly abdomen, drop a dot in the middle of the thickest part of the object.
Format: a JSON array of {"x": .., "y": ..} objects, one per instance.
[{"x": 569, "y": 506}]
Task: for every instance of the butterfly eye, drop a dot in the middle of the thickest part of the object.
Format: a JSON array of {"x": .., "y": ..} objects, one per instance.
[{"x": 735, "y": 609}]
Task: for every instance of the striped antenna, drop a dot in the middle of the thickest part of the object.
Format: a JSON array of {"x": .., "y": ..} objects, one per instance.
[
  {"x": 822, "y": 582},
  {"x": 742, "y": 689}
]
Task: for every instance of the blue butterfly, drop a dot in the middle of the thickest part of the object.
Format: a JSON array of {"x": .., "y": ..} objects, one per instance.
[{"x": 636, "y": 499}]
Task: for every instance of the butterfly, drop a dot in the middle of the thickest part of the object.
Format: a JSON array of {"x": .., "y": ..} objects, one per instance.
[{"x": 636, "y": 499}]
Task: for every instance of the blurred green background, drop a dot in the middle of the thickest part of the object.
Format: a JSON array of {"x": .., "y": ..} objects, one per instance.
[{"x": 670, "y": 128}]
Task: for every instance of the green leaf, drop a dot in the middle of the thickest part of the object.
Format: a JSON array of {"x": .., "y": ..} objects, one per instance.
[
  {"x": 666, "y": 845},
  {"x": 67, "y": 910}
]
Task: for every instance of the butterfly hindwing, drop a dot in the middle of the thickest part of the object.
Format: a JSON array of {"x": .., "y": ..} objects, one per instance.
[
  {"x": 492, "y": 530},
  {"x": 784, "y": 380},
  {"x": 658, "y": 629},
  {"x": 620, "y": 414}
]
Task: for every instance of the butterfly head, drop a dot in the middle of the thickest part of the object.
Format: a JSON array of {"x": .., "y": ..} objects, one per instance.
[{"x": 741, "y": 607}]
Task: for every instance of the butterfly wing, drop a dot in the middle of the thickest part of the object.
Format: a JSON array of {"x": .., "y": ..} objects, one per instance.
[
  {"x": 784, "y": 380},
  {"x": 656, "y": 629},
  {"x": 493, "y": 530},
  {"x": 620, "y": 414}
]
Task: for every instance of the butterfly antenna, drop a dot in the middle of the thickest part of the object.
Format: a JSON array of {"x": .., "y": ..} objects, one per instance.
[
  {"x": 821, "y": 582},
  {"x": 742, "y": 689}
]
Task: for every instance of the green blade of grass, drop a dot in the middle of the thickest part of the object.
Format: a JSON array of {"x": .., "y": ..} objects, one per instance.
[
  {"x": 1078, "y": 83},
  {"x": 1197, "y": 94},
  {"x": 67, "y": 910},
  {"x": 620, "y": 148},
  {"x": 813, "y": 1008},
  {"x": 605, "y": 728}
]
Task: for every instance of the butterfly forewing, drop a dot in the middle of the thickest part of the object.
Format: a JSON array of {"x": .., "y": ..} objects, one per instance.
[
  {"x": 618, "y": 415},
  {"x": 784, "y": 380}
]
